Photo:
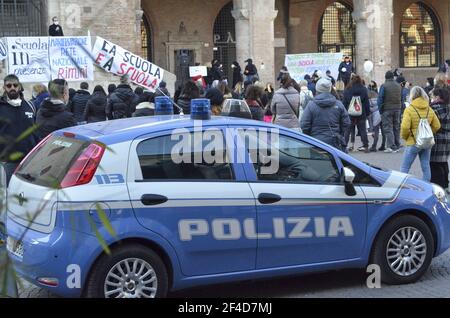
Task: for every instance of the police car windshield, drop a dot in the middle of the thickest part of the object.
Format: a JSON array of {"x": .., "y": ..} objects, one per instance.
[{"x": 48, "y": 165}]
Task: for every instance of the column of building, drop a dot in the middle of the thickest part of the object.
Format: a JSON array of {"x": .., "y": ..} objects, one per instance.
[
  {"x": 255, "y": 34},
  {"x": 374, "y": 29}
]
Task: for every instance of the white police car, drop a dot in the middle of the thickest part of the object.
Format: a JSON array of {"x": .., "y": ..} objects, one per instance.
[{"x": 197, "y": 202}]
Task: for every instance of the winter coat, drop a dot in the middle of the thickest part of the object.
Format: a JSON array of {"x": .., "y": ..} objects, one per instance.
[
  {"x": 237, "y": 76},
  {"x": 144, "y": 109},
  {"x": 347, "y": 74},
  {"x": 256, "y": 110},
  {"x": 40, "y": 99},
  {"x": 286, "y": 115},
  {"x": 441, "y": 151},
  {"x": 96, "y": 108},
  {"x": 411, "y": 119},
  {"x": 78, "y": 105},
  {"x": 120, "y": 102},
  {"x": 185, "y": 103},
  {"x": 363, "y": 93},
  {"x": 326, "y": 119},
  {"x": 13, "y": 122},
  {"x": 55, "y": 30},
  {"x": 250, "y": 70},
  {"x": 53, "y": 116},
  {"x": 390, "y": 96},
  {"x": 305, "y": 96}
]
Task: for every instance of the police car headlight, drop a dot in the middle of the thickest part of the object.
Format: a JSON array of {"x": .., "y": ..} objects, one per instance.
[{"x": 439, "y": 193}]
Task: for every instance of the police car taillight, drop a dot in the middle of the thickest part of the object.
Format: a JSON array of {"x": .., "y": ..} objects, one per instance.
[
  {"x": 33, "y": 152},
  {"x": 200, "y": 109},
  {"x": 84, "y": 168}
]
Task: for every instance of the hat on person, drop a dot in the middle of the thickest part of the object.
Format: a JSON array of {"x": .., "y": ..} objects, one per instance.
[
  {"x": 324, "y": 85},
  {"x": 249, "y": 61}
]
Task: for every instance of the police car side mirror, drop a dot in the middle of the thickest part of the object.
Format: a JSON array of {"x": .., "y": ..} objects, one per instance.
[{"x": 349, "y": 177}]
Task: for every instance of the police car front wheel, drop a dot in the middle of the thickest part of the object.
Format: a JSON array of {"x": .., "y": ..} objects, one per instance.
[
  {"x": 404, "y": 250},
  {"x": 132, "y": 271}
]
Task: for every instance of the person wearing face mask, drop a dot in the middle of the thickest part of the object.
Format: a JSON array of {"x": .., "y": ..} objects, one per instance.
[
  {"x": 16, "y": 117},
  {"x": 52, "y": 115},
  {"x": 55, "y": 29}
]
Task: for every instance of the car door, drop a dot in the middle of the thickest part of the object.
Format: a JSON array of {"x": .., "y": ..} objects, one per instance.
[
  {"x": 304, "y": 214},
  {"x": 197, "y": 204}
]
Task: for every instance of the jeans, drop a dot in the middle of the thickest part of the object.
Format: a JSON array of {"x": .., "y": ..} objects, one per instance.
[
  {"x": 376, "y": 136},
  {"x": 362, "y": 129},
  {"x": 391, "y": 128},
  {"x": 411, "y": 153}
]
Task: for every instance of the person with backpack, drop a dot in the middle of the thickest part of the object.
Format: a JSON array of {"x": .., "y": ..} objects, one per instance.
[
  {"x": 419, "y": 125},
  {"x": 440, "y": 153},
  {"x": 306, "y": 96},
  {"x": 356, "y": 101}
]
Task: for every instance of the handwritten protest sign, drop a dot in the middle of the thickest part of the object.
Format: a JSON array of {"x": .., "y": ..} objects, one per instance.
[
  {"x": 301, "y": 64},
  {"x": 70, "y": 58},
  {"x": 195, "y": 71},
  {"x": 114, "y": 59},
  {"x": 28, "y": 58}
]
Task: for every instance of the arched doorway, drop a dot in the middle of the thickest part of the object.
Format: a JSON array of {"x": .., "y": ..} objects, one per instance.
[
  {"x": 337, "y": 30},
  {"x": 420, "y": 37},
  {"x": 146, "y": 39},
  {"x": 225, "y": 39}
]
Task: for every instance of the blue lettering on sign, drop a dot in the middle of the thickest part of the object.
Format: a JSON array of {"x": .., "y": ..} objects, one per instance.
[{"x": 110, "y": 179}]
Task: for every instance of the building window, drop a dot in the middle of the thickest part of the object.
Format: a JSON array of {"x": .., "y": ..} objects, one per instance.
[
  {"x": 337, "y": 30},
  {"x": 21, "y": 17},
  {"x": 419, "y": 37},
  {"x": 146, "y": 39}
]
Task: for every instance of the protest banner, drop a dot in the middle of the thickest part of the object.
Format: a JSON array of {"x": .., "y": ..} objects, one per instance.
[
  {"x": 70, "y": 58},
  {"x": 195, "y": 71},
  {"x": 28, "y": 58},
  {"x": 3, "y": 50},
  {"x": 299, "y": 65},
  {"x": 114, "y": 59}
]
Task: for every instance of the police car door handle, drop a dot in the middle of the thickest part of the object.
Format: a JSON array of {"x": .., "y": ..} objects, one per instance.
[
  {"x": 268, "y": 198},
  {"x": 153, "y": 199}
]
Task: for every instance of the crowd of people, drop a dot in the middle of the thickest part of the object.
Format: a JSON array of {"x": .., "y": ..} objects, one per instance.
[{"x": 333, "y": 111}]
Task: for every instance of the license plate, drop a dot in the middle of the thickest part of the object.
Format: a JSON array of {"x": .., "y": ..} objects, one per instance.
[{"x": 14, "y": 247}]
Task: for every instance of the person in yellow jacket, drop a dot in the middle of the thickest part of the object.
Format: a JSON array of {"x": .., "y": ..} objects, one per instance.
[{"x": 418, "y": 109}]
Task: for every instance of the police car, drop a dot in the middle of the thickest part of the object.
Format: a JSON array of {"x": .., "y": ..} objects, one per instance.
[{"x": 140, "y": 207}]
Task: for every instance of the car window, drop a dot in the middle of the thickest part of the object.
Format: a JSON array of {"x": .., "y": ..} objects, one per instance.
[
  {"x": 361, "y": 178},
  {"x": 295, "y": 161},
  {"x": 185, "y": 157}
]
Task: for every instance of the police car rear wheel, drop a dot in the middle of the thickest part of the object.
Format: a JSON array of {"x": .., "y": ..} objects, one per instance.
[
  {"x": 132, "y": 271},
  {"x": 404, "y": 250}
]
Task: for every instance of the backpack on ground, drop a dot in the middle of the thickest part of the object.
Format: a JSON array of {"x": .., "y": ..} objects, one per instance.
[
  {"x": 424, "y": 135},
  {"x": 355, "y": 107}
]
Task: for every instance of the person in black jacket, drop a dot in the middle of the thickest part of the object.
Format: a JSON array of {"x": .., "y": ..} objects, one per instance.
[
  {"x": 146, "y": 105},
  {"x": 79, "y": 102},
  {"x": 356, "y": 88},
  {"x": 16, "y": 116},
  {"x": 52, "y": 115},
  {"x": 96, "y": 107},
  {"x": 237, "y": 74},
  {"x": 250, "y": 71},
  {"x": 189, "y": 92},
  {"x": 346, "y": 70},
  {"x": 55, "y": 29},
  {"x": 121, "y": 101}
]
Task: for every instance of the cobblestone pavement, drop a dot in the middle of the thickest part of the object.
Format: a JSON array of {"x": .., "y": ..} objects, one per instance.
[{"x": 335, "y": 284}]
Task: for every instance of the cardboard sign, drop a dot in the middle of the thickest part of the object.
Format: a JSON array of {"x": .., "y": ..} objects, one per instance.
[{"x": 195, "y": 71}]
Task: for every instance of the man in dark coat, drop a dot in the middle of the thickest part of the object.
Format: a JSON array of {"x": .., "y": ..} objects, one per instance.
[
  {"x": 250, "y": 71},
  {"x": 237, "y": 74},
  {"x": 55, "y": 29},
  {"x": 16, "y": 116},
  {"x": 52, "y": 115},
  {"x": 79, "y": 102},
  {"x": 121, "y": 101},
  {"x": 346, "y": 70}
]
